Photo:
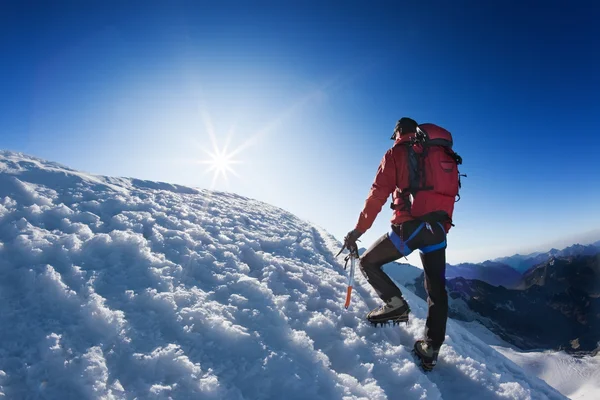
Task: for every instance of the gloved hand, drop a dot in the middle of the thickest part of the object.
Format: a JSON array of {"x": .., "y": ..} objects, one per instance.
[{"x": 350, "y": 240}]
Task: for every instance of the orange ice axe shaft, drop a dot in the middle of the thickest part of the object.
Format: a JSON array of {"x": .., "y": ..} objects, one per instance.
[{"x": 350, "y": 281}]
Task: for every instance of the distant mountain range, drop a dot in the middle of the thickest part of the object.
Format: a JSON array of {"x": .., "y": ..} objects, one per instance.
[
  {"x": 509, "y": 271},
  {"x": 492, "y": 272},
  {"x": 522, "y": 263}
]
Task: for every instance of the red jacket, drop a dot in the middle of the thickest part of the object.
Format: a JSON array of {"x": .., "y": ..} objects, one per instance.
[{"x": 392, "y": 175}]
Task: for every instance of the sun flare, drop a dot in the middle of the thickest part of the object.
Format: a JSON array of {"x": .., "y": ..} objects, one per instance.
[{"x": 220, "y": 163}]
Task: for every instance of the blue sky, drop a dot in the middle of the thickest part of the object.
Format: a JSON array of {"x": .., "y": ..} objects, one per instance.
[{"x": 309, "y": 92}]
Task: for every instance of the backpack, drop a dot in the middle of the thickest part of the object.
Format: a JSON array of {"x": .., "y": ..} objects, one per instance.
[{"x": 434, "y": 178}]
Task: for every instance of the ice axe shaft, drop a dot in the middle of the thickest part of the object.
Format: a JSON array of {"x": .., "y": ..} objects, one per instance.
[{"x": 350, "y": 280}]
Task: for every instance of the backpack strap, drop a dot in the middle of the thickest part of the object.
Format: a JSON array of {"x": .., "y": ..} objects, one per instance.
[{"x": 416, "y": 169}]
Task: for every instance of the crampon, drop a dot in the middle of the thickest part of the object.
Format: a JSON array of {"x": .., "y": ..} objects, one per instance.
[{"x": 390, "y": 321}]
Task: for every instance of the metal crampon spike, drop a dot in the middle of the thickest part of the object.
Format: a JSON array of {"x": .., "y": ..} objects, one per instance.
[{"x": 388, "y": 323}]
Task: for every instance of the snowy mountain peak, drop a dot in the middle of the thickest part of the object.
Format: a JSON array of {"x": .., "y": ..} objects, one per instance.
[{"x": 115, "y": 288}]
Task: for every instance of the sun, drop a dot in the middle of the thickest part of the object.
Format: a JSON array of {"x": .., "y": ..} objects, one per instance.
[{"x": 220, "y": 163}]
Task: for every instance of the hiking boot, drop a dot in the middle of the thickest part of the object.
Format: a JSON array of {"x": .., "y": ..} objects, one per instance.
[
  {"x": 395, "y": 310},
  {"x": 427, "y": 354}
]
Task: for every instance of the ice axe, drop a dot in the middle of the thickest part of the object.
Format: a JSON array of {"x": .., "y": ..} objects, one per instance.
[{"x": 352, "y": 258}]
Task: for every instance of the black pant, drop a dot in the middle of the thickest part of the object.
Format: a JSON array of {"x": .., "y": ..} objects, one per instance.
[{"x": 430, "y": 239}]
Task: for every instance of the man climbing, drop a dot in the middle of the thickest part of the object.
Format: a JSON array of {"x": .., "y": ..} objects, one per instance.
[{"x": 421, "y": 173}]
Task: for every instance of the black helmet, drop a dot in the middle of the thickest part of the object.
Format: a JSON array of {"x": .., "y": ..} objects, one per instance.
[{"x": 405, "y": 125}]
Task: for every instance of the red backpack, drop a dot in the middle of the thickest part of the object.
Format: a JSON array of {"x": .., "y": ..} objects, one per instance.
[{"x": 434, "y": 179}]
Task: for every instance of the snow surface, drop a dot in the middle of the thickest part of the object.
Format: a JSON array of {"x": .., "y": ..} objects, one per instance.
[
  {"x": 114, "y": 288},
  {"x": 402, "y": 273},
  {"x": 576, "y": 377}
]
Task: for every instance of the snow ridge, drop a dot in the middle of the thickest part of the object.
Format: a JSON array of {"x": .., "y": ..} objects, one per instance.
[{"x": 115, "y": 288}]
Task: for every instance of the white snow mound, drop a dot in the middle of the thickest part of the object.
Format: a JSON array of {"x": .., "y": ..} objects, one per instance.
[{"x": 114, "y": 288}]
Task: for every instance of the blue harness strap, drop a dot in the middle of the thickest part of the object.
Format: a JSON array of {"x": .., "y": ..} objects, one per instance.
[
  {"x": 416, "y": 232},
  {"x": 434, "y": 247},
  {"x": 401, "y": 244},
  {"x": 405, "y": 250},
  {"x": 398, "y": 243}
]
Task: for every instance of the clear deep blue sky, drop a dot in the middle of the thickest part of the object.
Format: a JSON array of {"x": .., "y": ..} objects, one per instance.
[{"x": 311, "y": 92}]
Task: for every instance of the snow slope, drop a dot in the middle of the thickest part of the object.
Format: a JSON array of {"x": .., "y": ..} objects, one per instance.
[
  {"x": 114, "y": 288},
  {"x": 402, "y": 273},
  {"x": 576, "y": 377}
]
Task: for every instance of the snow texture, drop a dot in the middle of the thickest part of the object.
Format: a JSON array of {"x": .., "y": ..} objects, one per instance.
[
  {"x": 576, "y": 377},
  {"x": 114, "y": 288}
]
